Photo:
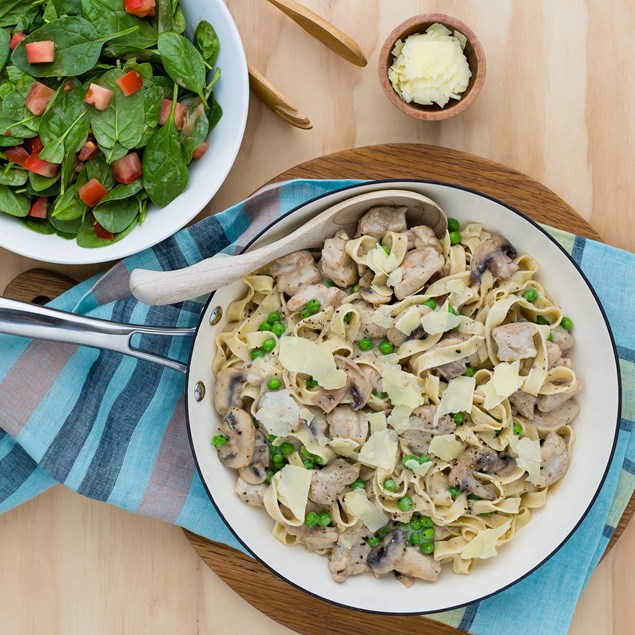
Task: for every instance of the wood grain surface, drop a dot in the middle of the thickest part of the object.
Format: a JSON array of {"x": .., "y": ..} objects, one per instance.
[{"x": 556, "y": 105}]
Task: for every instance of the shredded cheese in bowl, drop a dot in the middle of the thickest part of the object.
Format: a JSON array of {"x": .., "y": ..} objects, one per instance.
[{"x": 430, "y": 68}]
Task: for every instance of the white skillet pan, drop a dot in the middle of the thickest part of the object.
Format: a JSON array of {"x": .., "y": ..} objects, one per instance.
[{"x": 594, "y": 359}]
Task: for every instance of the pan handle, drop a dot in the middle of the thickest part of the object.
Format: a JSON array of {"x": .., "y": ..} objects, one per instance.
[{"x": 43, "y": 323}]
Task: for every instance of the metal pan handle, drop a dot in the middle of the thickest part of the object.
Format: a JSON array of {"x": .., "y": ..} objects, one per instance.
[{"x": 43, "y": 323}]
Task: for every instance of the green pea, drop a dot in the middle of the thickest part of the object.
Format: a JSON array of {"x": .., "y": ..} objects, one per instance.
[
  {"x": 459, "y": 417},
  {"x": 325, "y": 519},
  {"x": 348, "y": 317},
  {"x": 404, "y": 504},
  {"x": 415, "y": 523},
  {"x": 452, "y": 310},
  {"x": 277, "y": 461},
  {"x": 390, "y": 485},
  {"x": 274, "y": 317},
  {"x": 380, "y": 395},
  {"x": 427, "y": 547},
  {"x": 278, "y": 329},
  {"x": 386, "y": 248},
  {"x": 286, "y": 448},
  {"x": 415, "y": 539},
  {"x": 317, "y": 459},
  {"x": 311, "y": 383},
  {"x": 273, "y": 383},
  {"x": 311, "y": 519},
  {"x": 218, "y": 440},
  {"x": 455, "y": 238},
  {"x": 453, "y": 224},
  {"x": 272, "y": 438},
  {"x": 531, "y": 295},
  {"x": 474, "y": 497},
  {"x": 270, "y": 474},
  {"x": 470, "y": 372},
  {"x": 428, "y": 533},
  {"x": 403, "y": 526},
  {"x": 426, "y": 521},
  {"x": 268, "y": 345},
  {"x": 408, "y": 457},
  {"x": 313, "y": 306},
  {"x": 373, "y": 541},
  {"x": 384, "y": 531},
  {"x": 264, "y": 326},
  {"x": 308, "y": 464},
  {"x": 255, "y": 353},
  {"x": 566, "y": 323},
  {"x": 430, "y": 303},
  {"x": 355, "y": 288},
  {"x": 455, "y": 492},
  {"x": 550, "y": 337},
  {"x": 424, "y": 459},
  {"x": 305, "y": 313},
  {"x": 329, "y": 283},
  {"x": 385, "y": 348},
  {"x": 358, "y": 484},
  {"x": 365, "y": 344},
  {"x": 541, "y": 319},
  {"x": 518, "y": 430},
  {"x": 304, "y": 452}
]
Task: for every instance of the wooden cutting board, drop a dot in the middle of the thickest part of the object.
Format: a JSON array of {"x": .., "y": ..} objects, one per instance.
[{"x": 277, "y": 599}]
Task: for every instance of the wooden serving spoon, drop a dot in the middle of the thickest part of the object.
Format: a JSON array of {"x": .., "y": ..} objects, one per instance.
[{"x": 168, "y": 287}]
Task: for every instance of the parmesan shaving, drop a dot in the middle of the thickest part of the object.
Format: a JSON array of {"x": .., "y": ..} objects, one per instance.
[
  {"x": 440, "y": 321},
  {"x": 505, "y": 381},
  {"x": 483, "y": 545},
  {"x": 402, "y": 388},
  {"x": 344, "y": 447},
  {"x": 529, "y": 458},
  {"x": 380, "y": 450},
  {"x": 382, "y": 317},
  {"x": 278, "y": 412},
  {"x": 299, "y": 355},
  {"x": 377, "y": 421},
  {"x": 420, "y": 469},
  {"x": 457, "y": 397},
  {"x": 409, "y": 321},
  {"x": 446, "y": 447},
  {"x": 358, "y": 505},
  {"x": 399, "y": 418},
  {"x": 293, "y": 489}
]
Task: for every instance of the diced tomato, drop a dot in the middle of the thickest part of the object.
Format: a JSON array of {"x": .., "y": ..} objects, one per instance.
[
  {"x": 38, "y": 207},
  {"x": 180, "y": 114},
  {"x": 130, "y": 83},
  {"x": 16, "y": 38},
  {"x": 140, "y": 8},
  {"x": 43, "y": 168},
  {"x": 103, "y": 233},
  {"x": 33, "y": 145},
  {"x": 79, "y": 166},
  {"x": 17, "y": 154},
  {"x": 199, "y": 151},
  {"x": 89, "y": 151},
  {"x": 40, "y": 52},
  {"x": 99, "y": 96},
  {"x": 38, "y": 98},
  {"x": 92, "y": 192},
  {"x": 128, "y": 169}
]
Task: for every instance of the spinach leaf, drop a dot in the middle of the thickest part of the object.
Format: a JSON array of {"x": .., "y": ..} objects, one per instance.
[
  {"x": 165, "y": 16},
  {"x": 182, "y": 62},
  {"x": 121, "y": 50},
  {"x": 43, "y": 185},
  {"x": 50, "y": 12},
  {"x": 65, "y": 125},
  {"x": 68, "y": 206},
  {"x": 207, "y": 42},
  {"x": 38, "y": 226},
  {"x": 12, "y": 203},
  {"x": 109, "y": 16},
  {"x": 196, "y": 127},
  {"x": 115, "y": 216},
  {"x": 98, "y": 169},
  {"x": 215, "y": 115},
  {"x": 179, "y": 21},
  {"x": 9, "y": 142},
  {"x": 19, "y": 129},
  {"x": 165, "y": 174},
  {"x": 77, "y": 48},
  {"x": 14, "y": 177},
  {"x": 152, "y": 99},
  {"x": 87, "y": 238},
  {"x": 68, "y": 170},
  {"x": 67, "y": 227},
  {"x": 120, "y": 126},
  {"x": 67, "y": 7},
  {"x": 5, "y": 38},
  {"x": 121, "y": 192},
  {"x": 18, "y": 13}
]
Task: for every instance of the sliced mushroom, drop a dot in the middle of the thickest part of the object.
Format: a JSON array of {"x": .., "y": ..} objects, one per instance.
[
  {"x": 373, "y": 376},
  {"x": 315, "y": 537},
  {"x": 418, "y": 441},
  {"x": 294, "y": 271},
  {"x": 367, "y": 328},
  {"x": 523, "y": 403},
  {"x": 328, "y": 296},
  {"x": 515, "y": 341},
  {"x": 256, "y": 471},
  {"x": 415, "y": 564},
  {"x": 250, "y": 493},
  {"x": 562, "y": 339},
  {"x": 344, "y": 563},
  {"x": 554, "y": 460},
  {"x": 336, "y": 263},
  {"x": 503, "y": 466},
  {"x": 328, "y": 399},
  {"x": 423, "y": 236},
  {"x": 377, "y": 221},
  {"x": 388, "y": 553},
  {"x": 328, "y": 482},
  {"x": 357, "y": 388},
  {"x": 418, "y": 267},
  {"x": 548, "y": 403},
  {"x": 238, "y": 427},
  {"x": 445, "y": 424},
  {"x": 495, "y": 254},
  {"x": 560, "y": 416},
  {"x": 367, "y": 293},
  {"x": 229, "y": 385},
  {"x": 397, "y": 337},
  {"x": 472, "y": 460},
  {"x": 318, "y": 424},
  {"x": 345, "y": 423}
]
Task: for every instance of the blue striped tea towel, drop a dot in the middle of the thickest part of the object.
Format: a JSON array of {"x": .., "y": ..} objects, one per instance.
[{"x": 113, "y": 428}]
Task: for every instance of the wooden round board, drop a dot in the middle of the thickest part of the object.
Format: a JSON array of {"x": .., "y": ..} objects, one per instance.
[{"x": 277, "y": 599}]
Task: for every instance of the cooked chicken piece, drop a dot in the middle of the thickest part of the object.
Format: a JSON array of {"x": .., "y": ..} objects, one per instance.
[
  {"x": 328, "y": 482},
  {"x": 554, "y": 460},
  {"x": 553, "y": 354},
  {"x": 562, "y": 339},
  {"x": 561, "y": 416},
  {"x": 250, "y": 493},
  {"x": 423, "y": 236},
  {"x": 523, "y": 403},
  {"x": 367, "y": 293},
  {"x": 415, "y": 564},
  {"x": 328, "y": 296},
  {"x": 397, "y": 337},
  {"x": 315, "y": 537},
  {"x": 472, "y": 460},
  {"x": 495, "y": 254},
  {"x": 549, "y": 403},
  {"x": 418, "y": 267},
  {"x": 373, "y": 377},
  {"x": 344, "y": 563},
  {"x": 357, "y": 390},
  {"x": 345, "y": 423},
  {"x": 294, "y": 271},
  {"x": 256, "y": 471},
  {"x": 379, "y": 220},
  {"x": 367, "y": 328},
  {"x": 437, "y": 487},
  {"x": 515, "y": 341},
  {"x": 418, "y": 440},
  {"x": 260, "y": 369},
  {"x": 336, "y": 263},
  {"x": 445, "y": 424},
  {"x": 228, "y": 388},
  {"x": 238, "y": 427},
  {"x": 388, "y": 553}
]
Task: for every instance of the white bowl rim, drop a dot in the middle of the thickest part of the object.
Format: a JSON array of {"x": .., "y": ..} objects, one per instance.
[{"x": 610, "y": 456}]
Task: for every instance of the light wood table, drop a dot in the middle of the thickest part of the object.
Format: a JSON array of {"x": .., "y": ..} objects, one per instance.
[{"x": 557, "y": 104}]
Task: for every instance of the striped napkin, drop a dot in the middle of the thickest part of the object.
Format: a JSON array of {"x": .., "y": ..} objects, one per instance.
[{"x": 113, "y": 428}]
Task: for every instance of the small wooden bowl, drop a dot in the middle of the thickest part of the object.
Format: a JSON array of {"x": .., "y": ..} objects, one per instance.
[{"x": 473, "y": 52}]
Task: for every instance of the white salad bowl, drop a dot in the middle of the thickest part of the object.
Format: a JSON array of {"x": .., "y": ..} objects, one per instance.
[
  {"x": 594, "y": 359},
  {"x": 205, "y": 176}
]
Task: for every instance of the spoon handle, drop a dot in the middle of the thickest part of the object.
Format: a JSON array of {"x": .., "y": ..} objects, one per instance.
[{"x": 324, "y": 31}]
